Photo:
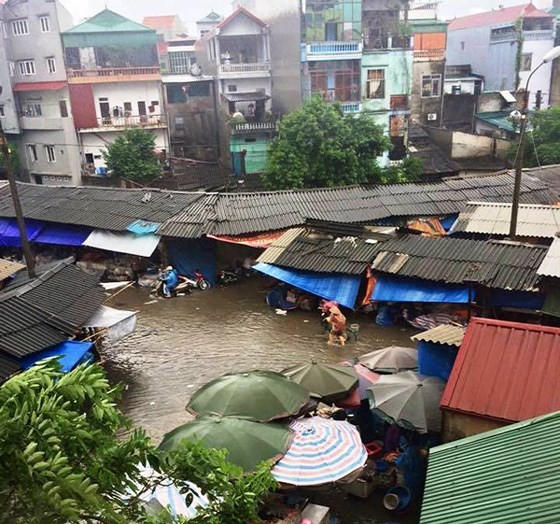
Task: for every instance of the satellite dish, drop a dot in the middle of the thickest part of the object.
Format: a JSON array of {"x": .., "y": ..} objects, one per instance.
[{"x": 196, "y": 70}]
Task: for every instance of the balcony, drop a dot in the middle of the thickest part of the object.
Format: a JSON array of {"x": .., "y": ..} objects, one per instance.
[
  {"x": 253, "y": 127},
  {"x": 118, "y": 123},
  {"x": 545, "y": 34},
  {"x": 253, "y": 70},
  {"x": 428, "y": 55},
  {"x": 351, "y": 107},
  {"x": 333, "y": 50},
  {"x": 113, "y": 74},
  {"x": 41, "y": 123}
]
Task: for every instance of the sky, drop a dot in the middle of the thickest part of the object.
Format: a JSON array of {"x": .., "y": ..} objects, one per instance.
[{"x": 192, "y": 10}]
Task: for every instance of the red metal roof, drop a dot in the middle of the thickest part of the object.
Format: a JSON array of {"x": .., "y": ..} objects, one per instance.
[
  {"x": 159, "y": 22},
  {"x": 505, "y": 371},
  {"x": 39, "y": 86},
  {"x": 499, "y": 16}
]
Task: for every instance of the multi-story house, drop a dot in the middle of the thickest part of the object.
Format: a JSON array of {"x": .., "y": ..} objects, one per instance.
[
  {"x": 237, "y": 54},
  {"x": 114, "y": 82},
  {"x": 35, "y": 98},
  {"x": 505, "y": 46},
  {"x": 209, "y": 22}
]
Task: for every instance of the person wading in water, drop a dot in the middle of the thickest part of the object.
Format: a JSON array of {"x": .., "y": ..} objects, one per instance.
[{"x": 338, "y": 326}]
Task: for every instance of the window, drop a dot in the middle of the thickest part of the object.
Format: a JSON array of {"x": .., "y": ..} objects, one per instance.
[
  {"x": 431, "y": 85},
  {"x": 31, "y": 109},
  {"x": 456, "y": 89},
  {"x": 4, "y": 31},
  {"x": 127, "y": 109},
  {"x": 20, "y": 27},
  {"x": 232, "y": 88},
  {"x": 12, "y": 67},
  {"x": 51, "y": 65},
  {"x": 376, "y": 83},
  {"x": 26, "y": 67},
  {"x": 2, "y": 112},
  {"x": 45, "y": 24},
  {"x": 63, "y": 108},
  {"x": 398, "y": 102},
  {"x": 526, "y": 61},
  {"x": 49, "y": 151},
  {"x": 179, "y": 62},
  {"x": 32, "y": 152}
]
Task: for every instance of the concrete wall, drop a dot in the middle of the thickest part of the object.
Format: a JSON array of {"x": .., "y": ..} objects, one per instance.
[
  {"x": 285, "y": 22},
  {"x": 241, "y": 25},
  {"x": 456, "y": 425},
  {"x": 10, "y": 121},
  {"x": 459, "y": 145},
  {"x": 118, "y": 93},
  {"x": 542, "y": 78},
  {"x": 256, "y": 148},
  {"x": 421, "y": 107}
]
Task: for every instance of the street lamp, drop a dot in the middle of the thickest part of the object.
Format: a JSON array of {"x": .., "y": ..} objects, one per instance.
[{"x": 548, "y": 57}]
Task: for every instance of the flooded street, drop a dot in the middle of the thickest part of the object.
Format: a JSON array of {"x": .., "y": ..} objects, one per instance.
[{"x": 182, "y": 343}]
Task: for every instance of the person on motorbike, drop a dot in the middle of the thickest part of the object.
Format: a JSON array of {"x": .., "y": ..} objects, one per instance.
[{"x": 170, "y": 279}]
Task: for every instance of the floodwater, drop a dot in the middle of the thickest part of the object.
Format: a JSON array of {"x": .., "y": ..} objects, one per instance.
[{"x": 182, "y": 343}]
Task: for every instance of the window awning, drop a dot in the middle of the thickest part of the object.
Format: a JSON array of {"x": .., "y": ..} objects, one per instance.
[
  {"x": 70, "y": 354},
  {"x": 261, "y": 241},
  {"x": 389, "y": 289},
  {"x": 129, "y": 243},
  {"x": 508, "y": 97},
  {"x": 342, "y": 288},
  {"x": 21, "y": 87}
]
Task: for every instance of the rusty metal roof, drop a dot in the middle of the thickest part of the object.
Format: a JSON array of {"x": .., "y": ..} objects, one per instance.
[
  {"x": 456, "y": 260},
  {"x": 9, "y": 268},
  {"x": 445, "y": 334},
  {"x": 490, "y": 218},
  {"x": 505, "y": 371},
  {"x": 271, "y": 254},
  {"x": 550, "y": 266}
]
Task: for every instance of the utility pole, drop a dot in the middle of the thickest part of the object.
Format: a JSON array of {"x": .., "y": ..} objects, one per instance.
[{"x": 27, "y": 253}]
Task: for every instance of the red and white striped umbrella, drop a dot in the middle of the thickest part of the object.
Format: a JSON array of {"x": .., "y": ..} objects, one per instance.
[{"x": 322, "y": 451}]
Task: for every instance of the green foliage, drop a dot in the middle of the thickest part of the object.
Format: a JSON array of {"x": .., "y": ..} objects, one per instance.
[
  {"x": 542, "y": 143},
  {"x": 409, "y": 170},
  {"x": 60, "y": 458},
  {"x": 14, "y": 158},
  {"x": 519, "y": 51},
  {"x": 132, "y": 156},
  {"x": 234, "y": 495},
  {"x": 318, "y": 146}
]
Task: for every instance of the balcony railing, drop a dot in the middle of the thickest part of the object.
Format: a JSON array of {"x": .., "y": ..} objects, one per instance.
[
  {"x": 429, "y": 54},
  {"x": 351, "y": 107},
  {"x": 334, "y": 48},
  {"x": 111, "y": 72},
  {"x": 131, "y": 121},
  {"x": 245, "y": 68},
  {"x": 545, "y": 34},
  {"x": 249, "y": 127}
]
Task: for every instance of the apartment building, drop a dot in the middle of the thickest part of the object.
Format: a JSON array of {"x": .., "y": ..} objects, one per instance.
[
  {"x": 34, "y": 102},
  {"x": 114, "y": 79}
]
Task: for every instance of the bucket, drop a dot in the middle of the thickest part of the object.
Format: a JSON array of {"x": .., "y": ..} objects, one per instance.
[
  {"x": 397, "y": 498},
  {"x": 355, "y": 328}
]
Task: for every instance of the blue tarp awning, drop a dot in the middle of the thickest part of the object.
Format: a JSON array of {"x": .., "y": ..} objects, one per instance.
[
  {"x": 143, "y": 227},
  {"x": 394, "y": 289},
  {"x": 62, "y": 235},
  {"x": 436, "y": 360},
  {"x": 448, "y": 221},
  {"x": 517, "y": 299},
  {"x": 70, "y": 354},
  {"x": 9, "y": 232},
  {"x": 331, "y": 286}
]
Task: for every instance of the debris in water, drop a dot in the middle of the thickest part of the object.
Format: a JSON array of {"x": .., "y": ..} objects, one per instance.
[
  {"x": 150, "y": 302},
  {"x": 190, "y": 386},
  {"x": 152, "y": 403},
  {"x": 281, "y": 312},
  {"x": 306, "y": 320}
]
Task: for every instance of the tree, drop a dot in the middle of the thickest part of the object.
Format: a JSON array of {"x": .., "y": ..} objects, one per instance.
[
  {"x": 542, "y": 144},
  {"x": 60, "y": 457},
  {"x": 318, "y": 146},
  {"x": 132, "y": 156}
]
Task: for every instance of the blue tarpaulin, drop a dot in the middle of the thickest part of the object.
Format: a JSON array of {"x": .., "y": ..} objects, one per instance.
[
  {"x": 448, "y": 221},
  {"x": 9, "y": 232},
  {"x": 517, "y": 299},
  {"x": 342, "y": 288},
  {"x": 394, "y": 289},
  {"x": 143, "y": 227},
  {"x": 436, "y": 360},
  {"x": 62, "y": 235},
  {"x": 188, "y": 255},
  {"x": 70, "y": 353}
]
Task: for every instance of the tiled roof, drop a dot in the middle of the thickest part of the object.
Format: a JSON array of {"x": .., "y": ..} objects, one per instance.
[
  {"x": 505, "y": 371},
  {"x": 504, "y": 476},
  {"x": 159, "y": 22},
  {"x": 434, "y": 160},
  {"x": 445, "y": 334},
  {"x": 490, "y": 218},
  {"x": 454, "y": 261},
  {"x": 550, "y": 266},
  {"x": 39, "y": 313},
  {"x": 9, "y": 268},
  {"x": 550, "y": 175},
  {"x": 497, "y": 17}
]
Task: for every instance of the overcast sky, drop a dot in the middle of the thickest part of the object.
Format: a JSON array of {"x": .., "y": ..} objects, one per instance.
[{"x": 192, "y": 10}]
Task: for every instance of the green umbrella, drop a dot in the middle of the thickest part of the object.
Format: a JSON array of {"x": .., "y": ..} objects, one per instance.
[
  {"x": 330, "y": 381},
  {"x": 255, "y": 395},
  {"x": 248, "y": 443}
]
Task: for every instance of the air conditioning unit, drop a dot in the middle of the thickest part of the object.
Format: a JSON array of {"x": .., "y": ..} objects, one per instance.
[{"x": 432, "y": 117}]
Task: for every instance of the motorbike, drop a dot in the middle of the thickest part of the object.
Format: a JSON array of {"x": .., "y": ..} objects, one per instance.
[
  {"x": 185, "y": 285},
  {"x": 225, "y": 277},
  {"x": 199, "y": 280}
]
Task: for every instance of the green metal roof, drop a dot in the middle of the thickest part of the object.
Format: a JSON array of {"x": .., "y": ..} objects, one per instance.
[
  {"x": 499, "y": 119},
  {"x": 509, "y": 475},
  {"x": 211, "y": 17},
  {"x": 108, "y": 21}
]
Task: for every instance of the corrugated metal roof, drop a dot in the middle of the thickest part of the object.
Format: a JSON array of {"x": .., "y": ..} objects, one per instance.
[
  {"x": 490, "y": 218},
  {"x": 444, "y": 334},
  {"x": 455, "y": 260},
  {"x": 7, "y": 368},
  {"x": 504, "y": 476},
  {"x": 550, "y": 175},
  {"x": 277, "y": 247},
  {"x": 505, "y": 371},
  {"x": 9, "y": 268},
  {"x": 550, "y": 266},
  {"x": 39, "y": 313}
]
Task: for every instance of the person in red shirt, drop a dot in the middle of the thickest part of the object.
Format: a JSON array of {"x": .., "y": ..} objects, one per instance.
[{"x": 338, "y": 326}]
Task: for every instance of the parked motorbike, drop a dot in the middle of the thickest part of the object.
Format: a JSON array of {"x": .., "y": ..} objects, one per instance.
[
  {"x": 225, "y": 277},
  {"x": 184, "y": 287},
  {"x": 199, "y": 280}
]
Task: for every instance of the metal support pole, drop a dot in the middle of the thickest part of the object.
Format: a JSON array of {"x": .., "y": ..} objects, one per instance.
[{"x": 26, "y": 248}]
